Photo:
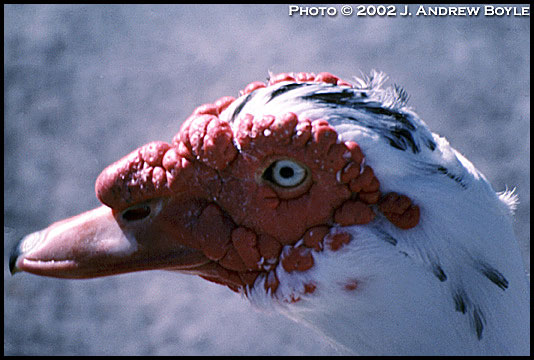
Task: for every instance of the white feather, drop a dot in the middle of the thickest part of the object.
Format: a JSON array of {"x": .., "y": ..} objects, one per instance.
[{"x": 402, "y": 304}]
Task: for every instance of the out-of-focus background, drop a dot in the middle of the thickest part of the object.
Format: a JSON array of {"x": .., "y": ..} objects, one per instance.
[{"x": 86, "y": 84}]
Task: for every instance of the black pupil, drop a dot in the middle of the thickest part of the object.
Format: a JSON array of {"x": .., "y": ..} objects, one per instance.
[
  {"x": 286, "y": 172},
  {"x": 136, "y": 213}
]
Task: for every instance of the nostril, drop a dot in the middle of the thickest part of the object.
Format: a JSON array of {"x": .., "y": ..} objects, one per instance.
[{"x": 136, "y": 213}]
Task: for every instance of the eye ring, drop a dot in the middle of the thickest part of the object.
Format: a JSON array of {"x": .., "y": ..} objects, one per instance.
[{"x": 285, "y": 173}]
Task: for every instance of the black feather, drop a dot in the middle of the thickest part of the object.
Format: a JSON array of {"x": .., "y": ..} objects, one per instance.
[
  {"x": 239, "y": 107},
  {"x": 478, "y": 322},
  {"x": 494, "y": 276},
  {"x": 439, "y": 273},
  {"x": 457, "y": 178},
  {"x": 285, "y": 88},
  {"x": 460, "y": 302}
]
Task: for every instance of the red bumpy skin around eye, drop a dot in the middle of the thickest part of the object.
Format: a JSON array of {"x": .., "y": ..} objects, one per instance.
[
  {"x": 241, "y": 222},
  {"x": 400, "y": 210}
]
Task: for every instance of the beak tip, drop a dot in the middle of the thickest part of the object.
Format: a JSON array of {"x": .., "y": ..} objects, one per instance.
[{"x": 13, "y": 257}]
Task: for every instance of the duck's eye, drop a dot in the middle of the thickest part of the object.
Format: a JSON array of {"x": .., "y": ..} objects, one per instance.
[
  {"x": 136, "y": 213},
  {"x": 285, "y": 173}
]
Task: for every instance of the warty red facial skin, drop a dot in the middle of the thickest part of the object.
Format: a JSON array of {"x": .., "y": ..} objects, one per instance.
[{"x": 203, "y": 204}]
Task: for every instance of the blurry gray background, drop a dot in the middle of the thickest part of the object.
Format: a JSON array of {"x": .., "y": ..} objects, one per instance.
[{"x": 85, "y": 85}]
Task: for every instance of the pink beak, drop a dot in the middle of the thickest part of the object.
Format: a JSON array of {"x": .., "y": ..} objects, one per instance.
[{"x": 99, "y": 243}]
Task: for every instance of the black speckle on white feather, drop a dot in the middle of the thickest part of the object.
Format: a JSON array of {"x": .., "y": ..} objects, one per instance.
[
  {"x": 402, "y": 118},
  {"x": 387, "y": 237},
  {"x": 494, "y": 276},
  {"x": 395, "y": 126},
  {"x": 457, "y": 178},
  {"x": 366, "y": 104},
  {"x": 430, "y": 144},
  {"x": 336, "y": 98},
  {"x": 463, "y": 304},
  {"x": 285, "y": 88},
  {"x": 442, "y": 170},
  {"x": 240, "y": 106},
  {"x": 460, "y": 301},
  {"x": 478, "y": 322},
  {"x": 437, "y": 270}
]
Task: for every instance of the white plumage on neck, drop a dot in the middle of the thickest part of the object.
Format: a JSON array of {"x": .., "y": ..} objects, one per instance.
[{"x": 453, "y": 285}]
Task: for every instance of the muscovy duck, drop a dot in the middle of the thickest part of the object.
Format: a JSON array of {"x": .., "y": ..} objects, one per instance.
[{"x": 326, "y": 200}]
